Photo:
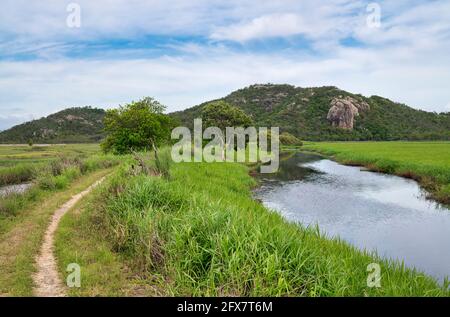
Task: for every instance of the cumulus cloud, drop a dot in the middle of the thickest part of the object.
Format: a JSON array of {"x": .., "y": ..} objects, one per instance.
[
  {"x": 265, "y": 26},
  {"x": 406, "y": 59},
  {"x": 330, "y": 20},
  {"x": 183, "y": 81}
]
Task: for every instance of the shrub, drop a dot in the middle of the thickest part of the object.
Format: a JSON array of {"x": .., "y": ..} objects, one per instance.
[
  {"x": 46, "y": 182},
  {"x": 135, "y": 126},
  {"x": 288, "y": 139}
]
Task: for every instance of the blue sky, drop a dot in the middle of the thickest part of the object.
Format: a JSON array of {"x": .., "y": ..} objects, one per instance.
[{"x": 186, "y": 52}]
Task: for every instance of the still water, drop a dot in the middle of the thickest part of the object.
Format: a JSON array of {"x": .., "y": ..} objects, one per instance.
[
  {"x": 377, "y": 212},
  {"x": 14, "y": 189}
]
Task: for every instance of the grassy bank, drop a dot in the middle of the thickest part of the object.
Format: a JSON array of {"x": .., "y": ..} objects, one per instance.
[
  {"x": 20, "y": 164},
  {"x": 201, "y": 233},
  {"x": 426, "y": 162},
  {"x": 21, "y": 236},
  {"x": 56, "y": 175}
]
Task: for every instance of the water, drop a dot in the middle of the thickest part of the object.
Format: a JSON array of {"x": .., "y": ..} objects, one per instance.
[
  {"x": 377, "y": 212},
  {"x": 14, "y": 189}
]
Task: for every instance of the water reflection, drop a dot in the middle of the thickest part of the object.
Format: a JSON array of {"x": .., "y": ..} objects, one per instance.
[
  {"x": 379, "y": 212},
  {"x": 14, "y": 189}
]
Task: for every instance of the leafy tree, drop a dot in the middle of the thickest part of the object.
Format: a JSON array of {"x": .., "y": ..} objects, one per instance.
[
  {"x": 30, "y": 142},
  {"x": 221, "y": 114},
  {"x": 136, "y": 126}
]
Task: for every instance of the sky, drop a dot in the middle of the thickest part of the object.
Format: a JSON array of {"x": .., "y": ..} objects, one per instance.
[{"x": 56, "y": 54}]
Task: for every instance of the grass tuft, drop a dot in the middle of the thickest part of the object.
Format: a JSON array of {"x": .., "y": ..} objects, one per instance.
[{"x": 203, "y": 235}]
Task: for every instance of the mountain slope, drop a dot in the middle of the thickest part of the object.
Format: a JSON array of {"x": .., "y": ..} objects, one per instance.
[
  {"x": 308, "y": 113},
  {"x": 319, "y": 113},
  {"x": 73, "y": 125}
]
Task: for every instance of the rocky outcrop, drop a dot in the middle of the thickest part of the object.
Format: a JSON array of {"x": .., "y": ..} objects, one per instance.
[{"x": 344, "y": 110}]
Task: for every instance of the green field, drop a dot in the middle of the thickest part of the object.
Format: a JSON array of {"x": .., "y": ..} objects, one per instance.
[
  {"x": 200, "y": 233},
  {"x": 196, "y": 230},
  {"x": 11, "y": 155},
  {"x": 46, "y": 168},
  {"x": 427, "y": 162},
  {"x": 23, "y": 163},
  {"x": 55, "y": 174}
]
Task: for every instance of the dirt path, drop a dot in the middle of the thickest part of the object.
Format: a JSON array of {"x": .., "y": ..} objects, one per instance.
[{"x": 46, "y": 280}]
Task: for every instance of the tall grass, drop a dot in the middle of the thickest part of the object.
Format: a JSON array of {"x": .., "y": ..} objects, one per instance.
[
  {"x": 19, "y": 173},
  {"x": 201, "y": 233},
  {"x": 163, "y": 161},
  {"x": 55, "y": 175}
]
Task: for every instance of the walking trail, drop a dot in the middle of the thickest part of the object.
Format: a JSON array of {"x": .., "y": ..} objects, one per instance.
[{"x": 47, "y": 280}]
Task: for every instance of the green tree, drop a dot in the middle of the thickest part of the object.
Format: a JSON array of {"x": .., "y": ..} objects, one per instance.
[
  {"x": 30, "y": 142},
  {"x": 136, "y": 126},
  {"x": 221, "y": 114}
]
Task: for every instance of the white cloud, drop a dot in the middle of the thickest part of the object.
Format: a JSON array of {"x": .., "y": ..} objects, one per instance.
[
  {"x": 406, "y": 59},
  {"x": 44, "y": 87},
  {"x": 265, "y": 26},
  {"x": 324, "y": 20}
]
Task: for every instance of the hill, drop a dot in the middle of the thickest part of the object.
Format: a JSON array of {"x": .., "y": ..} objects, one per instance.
[
  {"x": 328, "y": 113},
  {"x": 316, "y": 114},
  {"x": 72, "y": 125}
]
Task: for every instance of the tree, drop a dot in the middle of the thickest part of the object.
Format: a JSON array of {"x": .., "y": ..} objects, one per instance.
[
  {"x": 136, "y": 126},
  {"x": 30, "y": 142},
  {"x": 221, "y": 114}
]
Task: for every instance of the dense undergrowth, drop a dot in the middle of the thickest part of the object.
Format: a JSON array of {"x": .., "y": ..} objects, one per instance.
[
  {"x": 199, "y": 232},
  {"x": 54, "y": 175},
  {"x": 18, "y": 173}
]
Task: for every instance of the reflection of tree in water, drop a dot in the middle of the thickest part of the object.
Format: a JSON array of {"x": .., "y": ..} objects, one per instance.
[{"x": 290, "y": 167}]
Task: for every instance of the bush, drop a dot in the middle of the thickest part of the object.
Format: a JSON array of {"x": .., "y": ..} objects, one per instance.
[
  {"x": 136, "y": 126},
  {"x": 288, "y": 139},
  {"x": 46, "y": 182}
]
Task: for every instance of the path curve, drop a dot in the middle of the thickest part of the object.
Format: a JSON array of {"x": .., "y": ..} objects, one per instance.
[{"x": 47, "y": 280}]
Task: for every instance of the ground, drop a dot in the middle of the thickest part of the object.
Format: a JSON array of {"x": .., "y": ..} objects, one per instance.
[{"x": 147, "y": 235}]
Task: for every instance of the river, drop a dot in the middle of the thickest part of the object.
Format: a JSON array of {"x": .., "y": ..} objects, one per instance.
[
  {"x": 377, "y": 212},
  {"x": 14, "y": 189}
]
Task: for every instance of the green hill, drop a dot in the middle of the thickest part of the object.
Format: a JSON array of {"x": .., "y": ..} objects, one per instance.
[
  {"x": 328, "y": 113},
  {"x": 73, "y": 125},
  {"x": 320, "y": 113}
]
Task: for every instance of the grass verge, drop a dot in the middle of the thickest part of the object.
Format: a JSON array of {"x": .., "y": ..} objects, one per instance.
[
  {"x": 21, "y": 239},
  {"x": 56, "y": 175},
  {"x": 200, "y": 233}
]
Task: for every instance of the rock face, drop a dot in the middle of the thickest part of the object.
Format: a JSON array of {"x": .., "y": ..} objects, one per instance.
[{"x": 344, "y": 110}]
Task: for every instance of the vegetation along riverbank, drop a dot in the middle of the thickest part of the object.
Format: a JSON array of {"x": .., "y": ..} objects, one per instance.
[
  {"x": 426, "y": 162},
  {"x": 198, "y": 231}
]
